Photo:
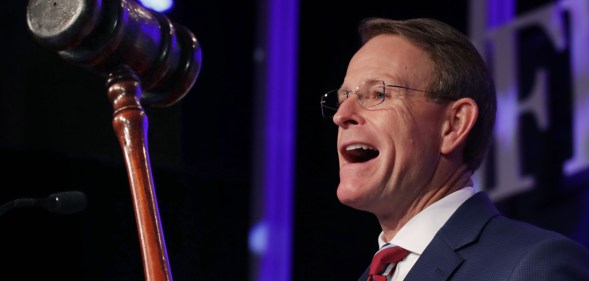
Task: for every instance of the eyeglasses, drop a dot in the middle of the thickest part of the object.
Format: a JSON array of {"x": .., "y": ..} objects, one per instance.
[{"x": 370, "y": 94}]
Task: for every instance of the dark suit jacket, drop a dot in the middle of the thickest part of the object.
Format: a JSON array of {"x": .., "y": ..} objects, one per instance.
[{"x": 479, "y": 244}]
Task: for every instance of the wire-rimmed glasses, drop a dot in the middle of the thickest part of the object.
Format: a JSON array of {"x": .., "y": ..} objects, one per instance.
[{"x": 370, "y": 94}]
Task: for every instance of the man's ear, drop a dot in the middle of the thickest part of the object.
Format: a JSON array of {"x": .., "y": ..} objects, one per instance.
[{"x": 461, "y": 116}]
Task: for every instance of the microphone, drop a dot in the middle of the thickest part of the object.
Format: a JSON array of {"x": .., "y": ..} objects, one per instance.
[
  {"x": 66, "y": 203},
  {"x": 103, "y": 35}
]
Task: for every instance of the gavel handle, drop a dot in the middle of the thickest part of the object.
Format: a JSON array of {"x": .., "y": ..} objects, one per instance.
[{"x": 130, "y": 125}]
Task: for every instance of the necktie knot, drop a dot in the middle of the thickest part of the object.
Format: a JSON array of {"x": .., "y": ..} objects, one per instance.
[{"x": 386, "y": 256}]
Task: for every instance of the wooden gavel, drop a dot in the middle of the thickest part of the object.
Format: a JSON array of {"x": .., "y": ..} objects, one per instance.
[{"x": 145, "y": 59}]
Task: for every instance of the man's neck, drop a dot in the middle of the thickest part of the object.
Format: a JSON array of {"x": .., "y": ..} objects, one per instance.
[{"x": 392, "y": 223}]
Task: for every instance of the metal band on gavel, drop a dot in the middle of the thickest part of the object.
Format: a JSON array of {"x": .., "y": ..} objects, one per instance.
[{"x": 145, "y": 59}]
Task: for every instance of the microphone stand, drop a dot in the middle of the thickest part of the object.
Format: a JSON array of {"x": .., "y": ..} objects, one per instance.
[
  {"x": 130, "y": 125},
  {"x": 23, "y": 202}
]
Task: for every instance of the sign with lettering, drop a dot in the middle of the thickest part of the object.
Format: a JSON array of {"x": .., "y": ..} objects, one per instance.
[{"x": 540, "y": 157}]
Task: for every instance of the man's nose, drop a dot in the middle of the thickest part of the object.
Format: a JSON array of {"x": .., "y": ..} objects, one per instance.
[{"x": 348, "y": 112}]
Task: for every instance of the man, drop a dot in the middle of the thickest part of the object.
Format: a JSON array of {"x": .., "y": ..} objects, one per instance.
[{"x": 415, "y": 113}]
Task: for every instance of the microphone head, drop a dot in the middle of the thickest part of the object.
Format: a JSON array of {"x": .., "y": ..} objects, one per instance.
[{"x": 69, "y": 202}]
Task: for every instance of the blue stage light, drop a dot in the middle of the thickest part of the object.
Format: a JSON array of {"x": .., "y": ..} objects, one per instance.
[
  {"x": 158, "y": 5},
  {"x": 258, "y": 238}
]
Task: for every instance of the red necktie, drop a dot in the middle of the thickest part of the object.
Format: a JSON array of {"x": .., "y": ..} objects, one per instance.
[{"x": 382, "y": 258}]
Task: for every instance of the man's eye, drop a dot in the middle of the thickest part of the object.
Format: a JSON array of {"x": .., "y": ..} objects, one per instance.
[
  {"x": 380, "y": 95},
  {"x": 376, "y": 96}
]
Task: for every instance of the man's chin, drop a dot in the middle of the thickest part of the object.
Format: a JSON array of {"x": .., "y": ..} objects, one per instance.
[{"x": 351, "y": 197}]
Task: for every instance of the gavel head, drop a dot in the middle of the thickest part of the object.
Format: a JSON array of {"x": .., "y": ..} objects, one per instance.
[{"x": 103, "y": 35}]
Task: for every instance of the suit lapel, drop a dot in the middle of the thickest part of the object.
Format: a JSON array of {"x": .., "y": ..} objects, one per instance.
[
  {"x": 440, "y": 259},
  {"x": 436, "y": 263}
]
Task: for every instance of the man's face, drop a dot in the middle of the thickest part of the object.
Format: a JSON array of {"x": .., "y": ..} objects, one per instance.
[{"x": 388, "y": 153}]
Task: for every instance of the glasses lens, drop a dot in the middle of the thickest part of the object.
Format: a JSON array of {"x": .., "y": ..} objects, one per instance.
[
  {"x": 330, "y": 103},
  {"x": 369, "y": 94},
  {"x": 372, "y": 94}
]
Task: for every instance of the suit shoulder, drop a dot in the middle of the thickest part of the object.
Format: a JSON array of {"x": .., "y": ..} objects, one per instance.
[{"x": 522, "y": 236}]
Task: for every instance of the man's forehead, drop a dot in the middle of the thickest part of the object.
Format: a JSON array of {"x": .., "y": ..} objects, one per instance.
[{"x": 391, "y": 58}]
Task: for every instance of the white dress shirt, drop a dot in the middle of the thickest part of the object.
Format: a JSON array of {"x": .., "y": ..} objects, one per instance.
[{"x": 421, "y": 229}]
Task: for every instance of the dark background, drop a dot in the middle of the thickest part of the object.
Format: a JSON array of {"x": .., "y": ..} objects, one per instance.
[{"x": 56, "y": 135}]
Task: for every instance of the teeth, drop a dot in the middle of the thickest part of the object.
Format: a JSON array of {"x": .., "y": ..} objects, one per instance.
[
  {"x": 359, "y": 153},
  {"x": 359, "y": 146}
]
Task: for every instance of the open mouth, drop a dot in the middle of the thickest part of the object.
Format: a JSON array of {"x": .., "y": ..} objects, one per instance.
[{"x": 359, "y": 153}]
